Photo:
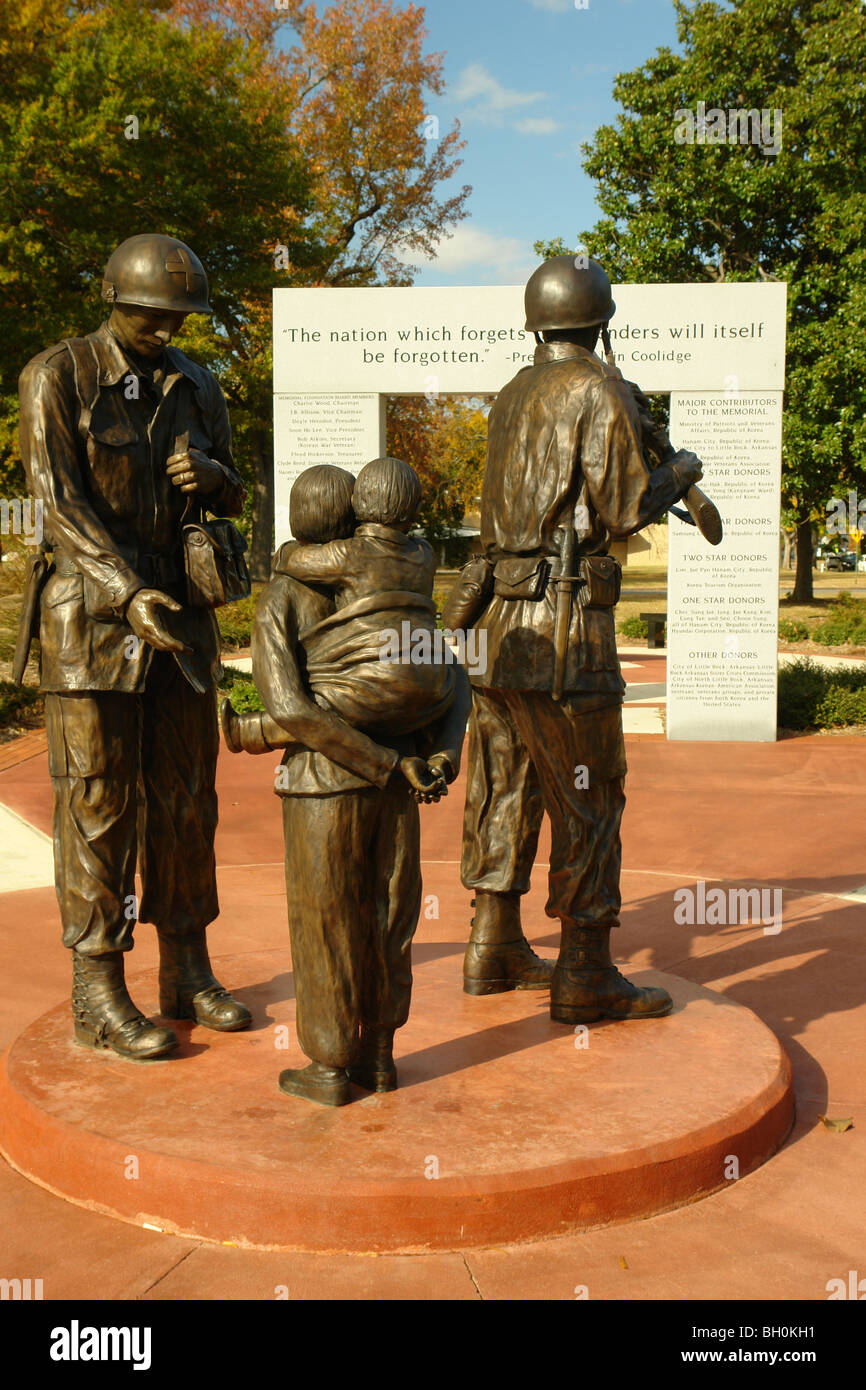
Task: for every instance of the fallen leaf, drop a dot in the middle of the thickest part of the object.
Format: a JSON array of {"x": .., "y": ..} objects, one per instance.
[
  {"x": 836, "y": 1126},
  {"x": 623, "y": 1261}
]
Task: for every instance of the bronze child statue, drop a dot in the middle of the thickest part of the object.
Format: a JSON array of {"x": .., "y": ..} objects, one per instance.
[
  {"x": 120, "y": 433},
  {"x": 350, "y": 781},
  {"x": 381, "y": 579}
]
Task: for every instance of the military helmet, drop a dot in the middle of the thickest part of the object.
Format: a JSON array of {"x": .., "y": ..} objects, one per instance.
[
  {"x": 156, "y": 272},
  {"x": 568, "y": 292}
]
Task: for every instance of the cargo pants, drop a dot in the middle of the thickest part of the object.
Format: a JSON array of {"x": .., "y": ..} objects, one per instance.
[
  {"x": 133, "y": 779},
  {"x": 528, "y": 754}
]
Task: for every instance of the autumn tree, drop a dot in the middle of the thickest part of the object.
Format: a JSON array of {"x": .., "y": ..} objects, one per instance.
[
  {"x": 287, "y": 147},
  {"x": 722, "y": 212},
  {"x": 114, "y": 121},
  {"x": 445, "y": 440},
  {"x": 357, "y": 81}
]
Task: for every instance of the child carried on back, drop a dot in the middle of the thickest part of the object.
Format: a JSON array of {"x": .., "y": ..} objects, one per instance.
[{"x": 381, "y": 578}]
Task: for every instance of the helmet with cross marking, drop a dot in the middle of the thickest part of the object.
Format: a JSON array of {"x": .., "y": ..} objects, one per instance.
[{"x": 156, "y": 272}]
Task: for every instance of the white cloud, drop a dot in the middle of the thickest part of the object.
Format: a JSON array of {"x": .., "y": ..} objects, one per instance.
[
  {"x": 536, "y": 125},
  {"x": 490, "y": 102},
  {"x": 554, "y": 6},
  {"x": 476, "y": 84},
  {"x": 491, "y": 258}
]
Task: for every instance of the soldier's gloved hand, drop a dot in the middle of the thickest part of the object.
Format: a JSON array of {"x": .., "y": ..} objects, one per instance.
[
  {"x": 426, "y": 782},
  {"x": 141, "y": 615},
  {"x": 195, "y": 472},
  {"x": 687, "y": 467}
]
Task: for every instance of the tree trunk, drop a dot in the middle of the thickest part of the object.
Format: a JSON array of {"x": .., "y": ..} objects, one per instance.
[
  {"x": 803, "y": 592},
  {"x": 262, "y": 543}
]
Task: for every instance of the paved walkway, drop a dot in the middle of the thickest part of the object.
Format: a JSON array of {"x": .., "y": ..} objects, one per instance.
[{"x": 786, "y": 817}]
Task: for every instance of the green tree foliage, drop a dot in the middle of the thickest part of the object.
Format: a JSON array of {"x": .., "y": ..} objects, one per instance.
[
  {"x": 714, "y": 212},
  {"x": 114, "y": 121},
  {"x": 296, "y": 165}
]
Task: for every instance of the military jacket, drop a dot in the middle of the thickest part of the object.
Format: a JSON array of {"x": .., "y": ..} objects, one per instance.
[
  {"x": 564, "y": 447},
  {"x": 95, "y": 438}
]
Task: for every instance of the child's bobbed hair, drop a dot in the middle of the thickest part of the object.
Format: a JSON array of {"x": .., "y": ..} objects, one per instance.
[
  {"x": 388, "y": 491},
  {"x": 320, "y": 504}
]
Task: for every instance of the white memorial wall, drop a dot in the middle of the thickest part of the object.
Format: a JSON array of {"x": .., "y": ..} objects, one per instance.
[
  {"x": 719, "y": 350},
  {"x": 346, "y": 430},
  {"x": 723, "y": 601}
]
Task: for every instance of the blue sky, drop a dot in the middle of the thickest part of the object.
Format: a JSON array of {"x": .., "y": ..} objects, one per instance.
[{"x": 529, "y": 80}]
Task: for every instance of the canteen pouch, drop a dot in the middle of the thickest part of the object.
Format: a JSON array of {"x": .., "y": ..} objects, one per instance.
[
  {"x": 215, "y": 564},
  {"x": 601, "y": 581},
  {"x": 521, "y": 576}
]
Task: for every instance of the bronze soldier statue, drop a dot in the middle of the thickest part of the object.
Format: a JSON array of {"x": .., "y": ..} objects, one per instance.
[
  {"x": 121, "y": 434},
  {"x": 566, "y": 473}
]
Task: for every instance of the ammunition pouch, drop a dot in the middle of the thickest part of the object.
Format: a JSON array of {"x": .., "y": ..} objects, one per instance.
[
  {"x": 216, "y": 570},
  {"x": 521, "y": 576},
  {"x": 601, "y": 581},
  {"x": 598, "y": 581}
]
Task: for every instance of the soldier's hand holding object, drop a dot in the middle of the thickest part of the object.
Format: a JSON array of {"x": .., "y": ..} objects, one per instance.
[
  {"x": 141, "y": 615},
  {"x": 688, "y": 467},
  {"x": 193, "y": 471}
]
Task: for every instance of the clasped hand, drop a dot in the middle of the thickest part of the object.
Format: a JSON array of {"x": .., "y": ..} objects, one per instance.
[{"x": 426, "y": 780}]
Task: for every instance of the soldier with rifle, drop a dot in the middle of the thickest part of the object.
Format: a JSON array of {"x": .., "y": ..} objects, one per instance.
[{"x": 574, "y": 461}]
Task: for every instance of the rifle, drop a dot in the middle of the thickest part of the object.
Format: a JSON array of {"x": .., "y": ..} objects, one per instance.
[{"x": 701, "y": 511}]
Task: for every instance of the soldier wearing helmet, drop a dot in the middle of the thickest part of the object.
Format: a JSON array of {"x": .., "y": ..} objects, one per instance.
[
  {"x": 565, "y": 474},
  {"x": 121, "y": 435}
]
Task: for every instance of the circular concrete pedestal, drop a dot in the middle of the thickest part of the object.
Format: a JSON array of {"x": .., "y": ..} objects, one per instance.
[{"x": 506, "y": 1126}]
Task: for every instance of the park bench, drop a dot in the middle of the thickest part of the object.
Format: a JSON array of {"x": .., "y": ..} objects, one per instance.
[{"x": 655, "y": 628}]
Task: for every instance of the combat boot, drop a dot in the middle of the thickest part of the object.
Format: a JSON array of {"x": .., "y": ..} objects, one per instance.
[
  {"x": 498, "y": 957},
  {"x": 374, "y": 1068},
  {"x": 106, "y": 1017},
  {"x": 324, "y": 1085},
  {"x": 188, "y": 989},
  {"x": 587, "y": 985}
]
